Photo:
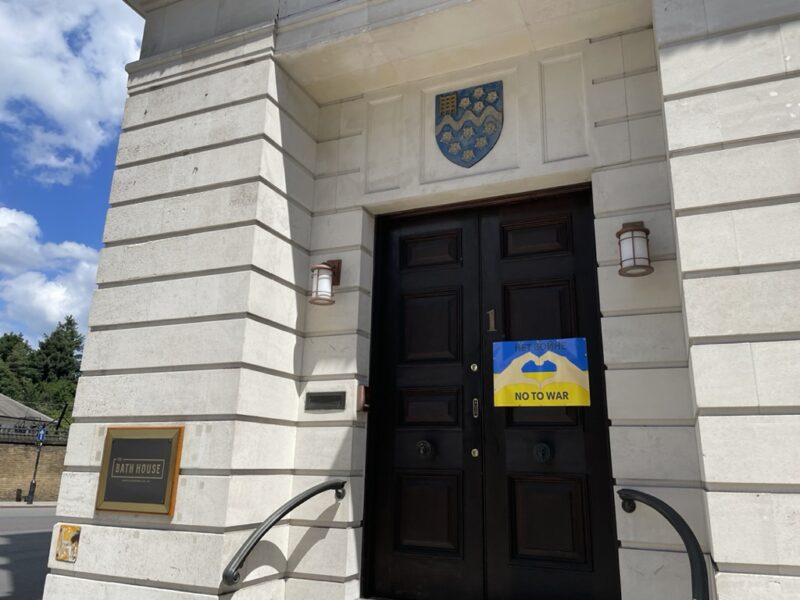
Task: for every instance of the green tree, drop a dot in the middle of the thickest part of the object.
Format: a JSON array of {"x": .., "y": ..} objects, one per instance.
[
  {"x": 10, "y": 385},
  {"x": 21, "y": 362},
  {"x": 49, "y": 397},
  {"x": 44, "y": 379},
  {"x": 59, "y": 354},
  {"x": 9, "y": 341}
]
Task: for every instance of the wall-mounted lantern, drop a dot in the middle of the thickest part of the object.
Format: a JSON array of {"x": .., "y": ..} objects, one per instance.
[
  {"x": 634, "y": 250},
  {"x": 323, "y": 277}
]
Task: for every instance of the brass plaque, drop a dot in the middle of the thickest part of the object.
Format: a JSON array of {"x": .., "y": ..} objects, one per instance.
[
  {"x": 69, "y": 537},
  {"x": 139, "y": 472}
]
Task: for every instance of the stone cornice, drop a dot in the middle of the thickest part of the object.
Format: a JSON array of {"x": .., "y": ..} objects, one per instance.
[
  {"x": 144, "y": 6},
  {"x": 248, "y": 44},
  {"x": 354, "y": 15},
  {"x": 325, "y": 12}
]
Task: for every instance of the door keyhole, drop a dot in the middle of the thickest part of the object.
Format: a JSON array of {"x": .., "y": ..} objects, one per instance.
[
  {"x": 543, "y": 452},
  {"x": 425, "y": 449}
]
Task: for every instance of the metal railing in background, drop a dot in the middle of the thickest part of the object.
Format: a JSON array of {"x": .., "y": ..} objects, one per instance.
[
  {"x": 697, "y": 562},
  {"x": 12, "y": 436},
  {"x": 24, "y": 430},
  {"x": 231, "y": 575}
]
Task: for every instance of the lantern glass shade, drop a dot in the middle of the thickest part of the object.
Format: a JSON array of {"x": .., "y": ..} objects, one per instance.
[
  {"x": 321, "y": 284},
  {"x": 634, "y": 250}
]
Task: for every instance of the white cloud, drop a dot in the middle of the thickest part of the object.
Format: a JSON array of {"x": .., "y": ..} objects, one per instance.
[
  {"x": 41, "y": 283},
  {"x": 62, "y": 84},
  {"x": 21, "y": 250}
]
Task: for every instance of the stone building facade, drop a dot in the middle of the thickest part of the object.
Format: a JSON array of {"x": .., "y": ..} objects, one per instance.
[{"x": 263, "y": 137}]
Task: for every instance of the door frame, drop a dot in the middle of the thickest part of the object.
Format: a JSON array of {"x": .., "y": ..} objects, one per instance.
[{"x": 378, "y": 292}]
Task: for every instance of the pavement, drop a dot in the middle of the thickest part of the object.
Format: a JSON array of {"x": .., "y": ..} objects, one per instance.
[{"x": 24, "y": 545}]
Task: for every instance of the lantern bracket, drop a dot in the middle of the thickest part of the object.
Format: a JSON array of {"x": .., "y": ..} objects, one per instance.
[{"x": 336, "y": 267}]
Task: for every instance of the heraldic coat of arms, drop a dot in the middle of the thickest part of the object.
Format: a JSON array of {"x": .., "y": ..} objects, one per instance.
[{"x": 469, "y": 122}]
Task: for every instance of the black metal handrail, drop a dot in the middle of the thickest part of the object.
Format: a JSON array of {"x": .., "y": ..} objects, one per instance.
[
  {"x": 697, "y": 562},
  {"x": 231, "y": 574}
]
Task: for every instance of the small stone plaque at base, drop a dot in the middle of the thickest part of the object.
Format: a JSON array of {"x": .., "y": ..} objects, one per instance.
[{"x": 69, "y": 537}]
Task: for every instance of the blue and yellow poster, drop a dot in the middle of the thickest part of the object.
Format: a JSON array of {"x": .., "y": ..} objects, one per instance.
[{"x": 541, "y": 373}]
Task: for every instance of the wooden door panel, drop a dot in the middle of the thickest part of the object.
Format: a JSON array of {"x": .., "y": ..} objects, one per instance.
[
  {"x": 548, "y": 519},
  {"x": 429, "y": 407},
  {"x": 446, "y": 449},
  {"x": 430, "y": 512},
  {"x": 536, "y": 236},
  {"x": 432, "y": 325},
  {"x": 539, "y": 310},
  {"x": 431, "y": 374},
  {"x": 434, "y": 249},
  {"x": 568, "y": 450},
  {"x": 555, "y": 416}
]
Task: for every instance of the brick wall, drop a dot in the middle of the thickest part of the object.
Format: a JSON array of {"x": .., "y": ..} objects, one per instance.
[{"x": 16, "y": 468}]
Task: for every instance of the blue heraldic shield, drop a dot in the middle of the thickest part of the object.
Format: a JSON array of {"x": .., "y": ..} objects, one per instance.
[{"x": 469, "y": 122}]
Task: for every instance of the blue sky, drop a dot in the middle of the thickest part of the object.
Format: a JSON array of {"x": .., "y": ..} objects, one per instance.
[{"x": 62, "y": 92}]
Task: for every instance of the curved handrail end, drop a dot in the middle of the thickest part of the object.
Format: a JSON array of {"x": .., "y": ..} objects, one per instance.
[
  {"x": 697, "y": 561},
  {"x": 231, "y": 575}
]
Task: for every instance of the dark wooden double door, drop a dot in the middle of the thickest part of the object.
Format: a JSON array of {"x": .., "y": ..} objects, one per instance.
[{"x": 462, "y": 502}]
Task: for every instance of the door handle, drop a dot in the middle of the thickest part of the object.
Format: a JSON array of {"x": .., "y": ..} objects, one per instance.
[{"x": 476, "y": 408}]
